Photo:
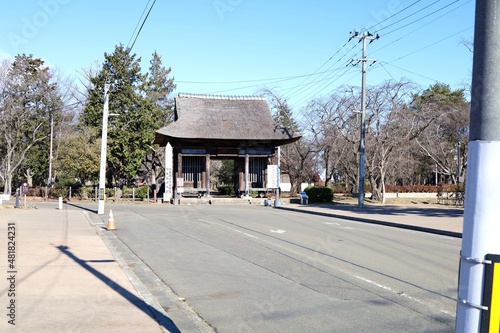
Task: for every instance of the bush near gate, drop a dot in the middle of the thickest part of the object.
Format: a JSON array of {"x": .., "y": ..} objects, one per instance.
[
  {"x": 226, "y": 189},
  {"x": 319, "y": 193},
  {"x": 140, "y": 192}
]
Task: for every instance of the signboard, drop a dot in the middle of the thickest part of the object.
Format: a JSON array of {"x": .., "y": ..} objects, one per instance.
[
  {"x": 180, "y": 182},
  {"x": 272, "y": 176},
  {"x": 490, "y": 321},
  {"x": 169, "y": 174},
  {"x": 168, "y": 181}
]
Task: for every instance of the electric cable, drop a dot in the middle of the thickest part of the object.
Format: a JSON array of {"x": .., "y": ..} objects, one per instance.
[
  {"x": 404, "y": 18},
  {"x": 395, "y": 14},
  {"x": 421, "y": 27},
  {"x": 138, "y": 22},
  {"x": 421, "y": 18},
  {"x": 142, "y": 25}
]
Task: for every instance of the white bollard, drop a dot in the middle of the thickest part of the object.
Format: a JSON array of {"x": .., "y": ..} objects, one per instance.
[{"x": 60, "y": 203}]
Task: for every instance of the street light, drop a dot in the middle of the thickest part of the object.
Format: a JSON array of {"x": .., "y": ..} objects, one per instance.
[{"x": 102, "y": 169}]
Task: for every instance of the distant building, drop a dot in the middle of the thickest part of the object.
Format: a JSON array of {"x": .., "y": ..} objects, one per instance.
[{"x": 209, "y": 127}]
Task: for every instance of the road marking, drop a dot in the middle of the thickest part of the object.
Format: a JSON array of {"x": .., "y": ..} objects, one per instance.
[
  {"x": 232, "y": 229},
  {"x": 403, "y": 294},
  {"x": 338, "y": 225},
  {"x": 279, "y": 231}
]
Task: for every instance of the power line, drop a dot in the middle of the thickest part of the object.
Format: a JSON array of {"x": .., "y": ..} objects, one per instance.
[
  {"x": 404, "y": 18},
  {"x": 272, "y": 80},
  {"x": 421, "y": 27},
  {"x": 328, "y": 84},
  {"x": 277, "y": 79},
  {"x": 310, "y": 85},
  {"x": 321, "y": 83},
  {"x": 138, "y": 22},
  {"x": 142, "y": 25},
  {"x": 382, "y": 65},
  {"x": 315, "y": 83},
  {"x": 411, "y": 72},
  {"x": 303, "y": 81},
  {"x": 432, "y": 44},
  {"x": 421, "y": 18},
  {"x": 395, "y": 14}
]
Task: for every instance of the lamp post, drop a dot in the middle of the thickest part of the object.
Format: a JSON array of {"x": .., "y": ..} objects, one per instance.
[{"x": 104, "y": 139}]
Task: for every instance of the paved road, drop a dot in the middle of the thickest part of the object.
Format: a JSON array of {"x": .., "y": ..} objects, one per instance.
[{"x": 259, "y": 269}]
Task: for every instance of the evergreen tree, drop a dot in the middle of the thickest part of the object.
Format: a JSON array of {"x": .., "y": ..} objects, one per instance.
[
  {"x": 158, "y": 88},
  {"x": 449, "y": 111},
  {"x": 131, "y": 131}
]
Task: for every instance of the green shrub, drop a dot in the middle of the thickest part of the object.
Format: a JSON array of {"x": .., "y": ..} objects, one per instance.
[
  {"x": 226, "y": 189},
  {"x": 319, "y": 193},
  {"x": 85, "y": 192},
  {"x": 127, "y": 192},
  {"x": 110, "y": 193},
  {"x": 59, "y": 191},
  {"x": 140, "y": 192}
]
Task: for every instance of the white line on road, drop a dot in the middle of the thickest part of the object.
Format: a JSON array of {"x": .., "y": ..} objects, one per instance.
[
  {"x": 232, "y": 229},
  {"x": 402, "y": 294},
  {"x": 338, "y": 225}
]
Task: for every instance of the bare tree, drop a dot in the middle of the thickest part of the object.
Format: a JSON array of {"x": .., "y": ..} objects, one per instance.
[
  {"x": 298, "y": 158},
  {"x": 28, "y": 98},
  {"x": 333, "y": 125}
]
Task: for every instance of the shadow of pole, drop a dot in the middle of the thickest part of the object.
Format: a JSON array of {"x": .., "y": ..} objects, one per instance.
[
  {"x": 81, "y": 207},
  {"x": 163, "y": 320}
]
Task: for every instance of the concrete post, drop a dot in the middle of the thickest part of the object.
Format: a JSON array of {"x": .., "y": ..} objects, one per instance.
[{"x": 481, "y": 227}]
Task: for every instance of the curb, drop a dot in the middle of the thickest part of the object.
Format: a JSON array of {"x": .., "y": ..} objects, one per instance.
[
  {"x": 384, "y": 223},
  {"x": 149, "y": 286}
]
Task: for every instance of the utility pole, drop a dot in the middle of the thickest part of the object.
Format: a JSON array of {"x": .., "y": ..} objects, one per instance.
[
  {"x": 104, "y": 139},
  {"x": 49, "y": 181},
  {"x": 363, "y": 37},
  {"x": 481, "y": 227}
]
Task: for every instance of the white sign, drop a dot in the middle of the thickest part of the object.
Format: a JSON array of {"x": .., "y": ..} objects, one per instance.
[
  {"x": 272, "y": 176},
  {"x": 169, "y": 177}
]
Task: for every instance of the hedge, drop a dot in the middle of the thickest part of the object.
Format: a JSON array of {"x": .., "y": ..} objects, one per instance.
[
  {"x": 319, "y": 193},
  {"x": 226, "y": 189}
]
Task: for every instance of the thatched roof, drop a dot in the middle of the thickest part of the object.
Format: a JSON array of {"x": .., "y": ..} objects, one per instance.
[{"x": 232, "y": 118}]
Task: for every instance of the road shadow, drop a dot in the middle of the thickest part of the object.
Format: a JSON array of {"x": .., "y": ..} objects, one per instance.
[
  {"x": 81, "y": 207},
  {"x": 394, "y": 210},
  {"x": 162, "y": 319}
]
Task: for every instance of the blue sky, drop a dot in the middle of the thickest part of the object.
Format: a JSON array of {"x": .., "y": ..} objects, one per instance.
[{"x": 235, "y": 47}]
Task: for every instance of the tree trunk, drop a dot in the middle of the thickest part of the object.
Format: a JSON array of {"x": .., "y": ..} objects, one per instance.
[
  {"x": 153, "y": 176},
  {"x": 8, "y": 184},
  {"x": 376, "y": 191},
  {"x": 295, "y": 186},
  {"x": 382, "y": 187},
  {"x": 327, "y": 167},
  {"x": 29, "y": 177}
]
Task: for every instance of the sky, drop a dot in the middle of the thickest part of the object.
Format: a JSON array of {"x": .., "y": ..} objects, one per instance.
[{"x": 299, "y": 49}]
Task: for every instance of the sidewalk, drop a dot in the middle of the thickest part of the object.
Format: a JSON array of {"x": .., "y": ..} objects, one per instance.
[
  {"x": 442, "y": 220},
  {"x": 63, "y": 277}
]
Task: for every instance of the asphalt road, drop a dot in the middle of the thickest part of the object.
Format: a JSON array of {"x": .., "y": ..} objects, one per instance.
[{"x": 258, "y": 269}]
